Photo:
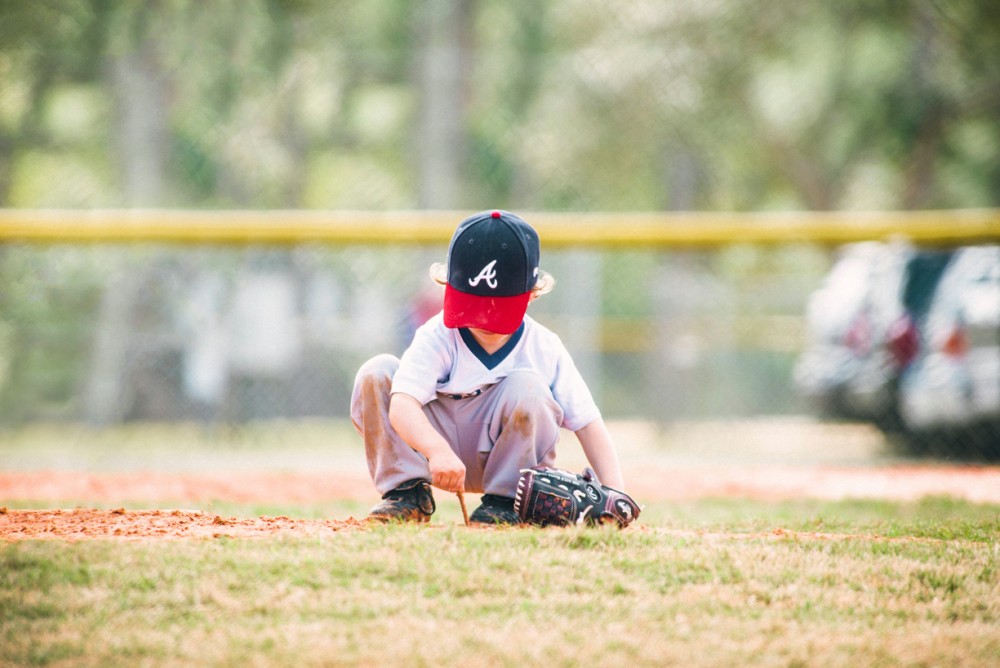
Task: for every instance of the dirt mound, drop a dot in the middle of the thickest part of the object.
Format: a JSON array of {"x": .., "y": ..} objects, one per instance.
[{"x": 82, "y": 523}]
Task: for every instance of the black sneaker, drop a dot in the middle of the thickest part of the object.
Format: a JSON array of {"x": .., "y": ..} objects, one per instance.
[
  {"x": 410, "y": 502},
  {"x": 495, "y": 510}
]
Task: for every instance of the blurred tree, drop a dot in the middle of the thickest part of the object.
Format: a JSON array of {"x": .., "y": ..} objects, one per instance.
[
  {"x": 43, "y": 298},
  {"x": 42, "y": 45},
  {"x": 442, "y": 80},
  {"x": 565, "y": 104},
  {"x": 847, "y": 105}
]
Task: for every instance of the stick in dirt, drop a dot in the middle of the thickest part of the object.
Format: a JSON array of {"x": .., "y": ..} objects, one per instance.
[{"x": 461, "y": 500}]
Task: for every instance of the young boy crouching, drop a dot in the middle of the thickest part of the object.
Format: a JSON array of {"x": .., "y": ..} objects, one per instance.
[{"x": 483, "y": 389}]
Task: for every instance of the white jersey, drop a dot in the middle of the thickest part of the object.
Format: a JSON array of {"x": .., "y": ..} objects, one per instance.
[{"x": 447, "y": 361}]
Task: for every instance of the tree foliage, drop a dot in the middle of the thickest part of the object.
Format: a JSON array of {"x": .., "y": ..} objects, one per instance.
[{"x": 564, "y": 104}]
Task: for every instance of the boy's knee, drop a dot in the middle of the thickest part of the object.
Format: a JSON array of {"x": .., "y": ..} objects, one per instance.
[
  {"x": 377, "y": 368},
  {"x": 526, "y": 383},
  {"x": 372, "y": 388},
  {"x": 373, "y": 382},
  {"x": 527, "y": 394}
]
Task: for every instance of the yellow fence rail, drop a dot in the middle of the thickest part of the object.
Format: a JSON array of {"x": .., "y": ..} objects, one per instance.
[{"x": 604, "y": 230}]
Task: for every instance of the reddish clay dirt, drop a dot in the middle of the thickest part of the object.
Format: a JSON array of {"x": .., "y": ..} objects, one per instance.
[
  {"x": 81, "y": 523},
  {"x": 166, "y": 490}
]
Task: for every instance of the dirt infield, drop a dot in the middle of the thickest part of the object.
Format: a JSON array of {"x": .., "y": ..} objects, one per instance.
[
  {"x": 653, "y": 482},
  {"x": 144, "y": 489},
  {"x": 83, "y": 523}
]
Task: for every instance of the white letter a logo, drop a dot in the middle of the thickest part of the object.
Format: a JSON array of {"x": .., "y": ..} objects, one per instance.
[{"x": 488, "y": 274}]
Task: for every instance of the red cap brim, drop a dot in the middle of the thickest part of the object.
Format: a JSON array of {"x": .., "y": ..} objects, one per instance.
[{"x": 501, "y": 315}]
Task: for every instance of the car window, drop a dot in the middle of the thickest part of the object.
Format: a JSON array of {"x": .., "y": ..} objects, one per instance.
[{"x": 923, "y": 273}]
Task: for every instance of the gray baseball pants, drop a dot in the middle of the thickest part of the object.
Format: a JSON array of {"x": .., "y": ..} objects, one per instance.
[{"x": 513, "y": 424}]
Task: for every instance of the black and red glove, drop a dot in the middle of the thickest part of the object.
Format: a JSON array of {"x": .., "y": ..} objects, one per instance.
[{"x": 547, "y": 496}]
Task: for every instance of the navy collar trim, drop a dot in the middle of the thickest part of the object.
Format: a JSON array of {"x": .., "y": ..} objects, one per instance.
[{"x": 488, "y": 360}]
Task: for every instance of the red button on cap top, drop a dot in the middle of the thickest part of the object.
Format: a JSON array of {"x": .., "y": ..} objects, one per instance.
[{"x": 495, "y": 214}]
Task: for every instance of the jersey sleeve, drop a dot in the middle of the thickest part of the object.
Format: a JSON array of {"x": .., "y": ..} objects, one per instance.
[
  {"x": 571, "y": 393},
  {"x": 425, "y": 363}
]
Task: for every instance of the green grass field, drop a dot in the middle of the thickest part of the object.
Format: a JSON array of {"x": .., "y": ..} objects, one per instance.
[
  {"x": 702, "y": 581},
  {"x": 853, "y": 583}
]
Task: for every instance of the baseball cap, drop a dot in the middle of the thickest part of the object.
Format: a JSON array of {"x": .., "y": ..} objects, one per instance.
[{"x": 492, "y": 268}]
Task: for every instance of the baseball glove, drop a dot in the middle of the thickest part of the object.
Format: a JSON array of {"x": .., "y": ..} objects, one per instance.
[{"x": 547, "y": 496}]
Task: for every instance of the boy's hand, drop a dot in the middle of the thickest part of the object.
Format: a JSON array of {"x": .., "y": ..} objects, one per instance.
[{"x": 447, "y": 471}]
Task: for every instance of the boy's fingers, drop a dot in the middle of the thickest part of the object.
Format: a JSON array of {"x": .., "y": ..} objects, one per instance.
[
  {"x": 448, "y": 473},
  {"x": 447, "y": 481}
]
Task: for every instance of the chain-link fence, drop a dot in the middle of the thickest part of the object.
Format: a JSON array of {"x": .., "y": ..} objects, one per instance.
[{"x": 224, "y": 335}]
